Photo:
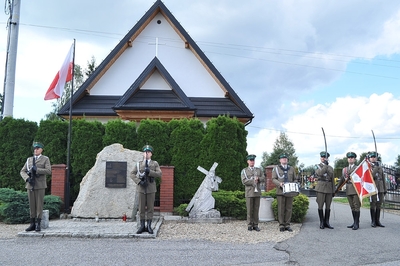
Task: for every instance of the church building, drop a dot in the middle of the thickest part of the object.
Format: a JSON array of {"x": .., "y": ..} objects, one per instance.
[{"x": 156, "y": 71}]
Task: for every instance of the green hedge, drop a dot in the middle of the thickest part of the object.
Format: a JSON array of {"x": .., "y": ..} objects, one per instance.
[{"x": 184, "y": 144}]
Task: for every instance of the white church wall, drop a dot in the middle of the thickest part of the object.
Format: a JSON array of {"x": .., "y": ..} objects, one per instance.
[{"x": 181, "y": 63}]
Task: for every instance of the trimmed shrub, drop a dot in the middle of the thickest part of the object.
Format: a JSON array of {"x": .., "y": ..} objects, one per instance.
[
  {"x": 300, "y": 206},
  {"x": 14, "y": 206}
]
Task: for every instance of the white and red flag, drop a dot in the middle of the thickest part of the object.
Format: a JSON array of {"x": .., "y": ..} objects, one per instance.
[
  {"x": 63, "y": 76},
  {"x": 363, "y": 180}
]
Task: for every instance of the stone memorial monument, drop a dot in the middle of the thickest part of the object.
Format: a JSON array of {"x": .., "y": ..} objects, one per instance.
[
  {"x": 202, "y": 204},
  {"x": 107, "y": 191}
]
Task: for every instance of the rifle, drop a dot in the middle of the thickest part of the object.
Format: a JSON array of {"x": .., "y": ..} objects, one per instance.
[
  {"x": 32, "y": 174},
  {"x": 143, "y": 180}
]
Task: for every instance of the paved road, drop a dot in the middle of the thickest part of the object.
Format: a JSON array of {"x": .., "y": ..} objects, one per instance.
[
  {"x": 312, "y": 246},
  {"x": 344, "y": 246}
]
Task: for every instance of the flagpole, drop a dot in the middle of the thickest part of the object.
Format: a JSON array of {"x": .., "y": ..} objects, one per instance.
[{"x": 67, "y": 185}]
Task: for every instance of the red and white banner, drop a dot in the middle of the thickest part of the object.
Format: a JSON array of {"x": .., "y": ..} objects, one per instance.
[
  {"x": 363, "y": 180},
  {"x": 63, "y": 76}
]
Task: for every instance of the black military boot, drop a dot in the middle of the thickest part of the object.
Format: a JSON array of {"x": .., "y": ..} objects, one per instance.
[
  {"x": 377, "y": 217},
  {"x": 31, "y": 226},
  {"x": 321, "y": 219},
  {"x": 149, "y": 227},
  {"x": 354, "y": 220},
  {"x": 141, "y": 228},
  {"x": 37, "y": 229},
  {"x": 327, "y": 215},
  {"x": 373, "y": 215},
  {"x": 357, "y": 220}
]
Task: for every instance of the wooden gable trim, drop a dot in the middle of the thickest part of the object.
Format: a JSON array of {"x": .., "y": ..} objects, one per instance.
[{"x": 137, "y": 115}]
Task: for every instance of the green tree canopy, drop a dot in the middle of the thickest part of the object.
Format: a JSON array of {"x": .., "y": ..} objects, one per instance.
[{"x": 282, "y": 145}]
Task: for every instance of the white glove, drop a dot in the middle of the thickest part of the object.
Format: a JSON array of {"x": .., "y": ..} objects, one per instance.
[{"x": 141, "y": 174}]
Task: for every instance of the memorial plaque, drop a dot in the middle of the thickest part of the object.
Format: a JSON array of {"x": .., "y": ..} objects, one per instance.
[{"x": 116, "y": 174}]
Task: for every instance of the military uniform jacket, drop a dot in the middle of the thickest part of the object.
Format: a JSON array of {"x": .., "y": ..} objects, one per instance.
[
  {"x": 248, "y": 175},
  {"x": 278, "y": 177},
  {"x": 324, "y": 175},
  {"x": 155, "y": 172},
  {"x": 43, "y": 168},
  {"x": 377, "y": 173},
  {"x": 350, "y": 190}
]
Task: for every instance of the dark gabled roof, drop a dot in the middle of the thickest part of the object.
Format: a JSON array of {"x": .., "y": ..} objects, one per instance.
[
  {"x": 140, "y": 99},
  {"x": 157, "y": 7},
  {"x": 94, "y": 105},
  {"x": 212, "y": 107}
]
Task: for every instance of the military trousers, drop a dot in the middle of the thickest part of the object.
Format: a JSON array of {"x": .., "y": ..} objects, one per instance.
[
  {"x": 146, "y": 200},
  {"x": 354, "y": 202},
  {"x": 36, "y": 200},
  {"x": 253, "y": 206},
  {"x": 376, "y": 201},
  {"x": 285, "y": 205},
  {"x": 324, "y": 198}
]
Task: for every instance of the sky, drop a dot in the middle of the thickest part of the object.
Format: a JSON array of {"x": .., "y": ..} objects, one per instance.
[{"x": 299, "y": 66}]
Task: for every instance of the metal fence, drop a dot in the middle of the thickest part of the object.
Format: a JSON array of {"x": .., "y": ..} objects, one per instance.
[{"x": 392, "y": 178}]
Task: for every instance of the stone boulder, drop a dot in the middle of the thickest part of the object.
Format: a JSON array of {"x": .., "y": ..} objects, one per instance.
[{"x": 107, "y": 203}]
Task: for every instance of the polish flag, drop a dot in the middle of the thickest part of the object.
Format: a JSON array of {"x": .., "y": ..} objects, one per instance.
[
  {"x": 63, "y": 76},
  {"x": 363, "y": 181}
]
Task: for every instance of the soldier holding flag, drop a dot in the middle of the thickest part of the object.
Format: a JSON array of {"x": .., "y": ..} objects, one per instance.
[
  {"x": 351, "y": 192},
  {"x": 377, "y": 199}
]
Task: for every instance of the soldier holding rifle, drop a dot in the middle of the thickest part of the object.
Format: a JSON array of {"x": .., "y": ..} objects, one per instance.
[
  {"x": 377, "y": 199},
  {"x": 325, "y": 189},
  {"x": 34, "y": 173},
  {"x": 352, "y": 196},
  {"x": 144, "y": 174},
  {"x": 251, "y": 179}
]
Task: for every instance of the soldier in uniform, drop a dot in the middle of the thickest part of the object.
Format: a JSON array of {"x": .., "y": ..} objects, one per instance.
[
  {"x": 144, "y": 174},
  {"x": 251, "y": 179},
  {"x": 281, "y": 174},
  {"x": 34, "y": 174},
  {"x": 352, "y": 196},
  {"x": 325, "y": 189},
  {"x": 377, "y": 199}
]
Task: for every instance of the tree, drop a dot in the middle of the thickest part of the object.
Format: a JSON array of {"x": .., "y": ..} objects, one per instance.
[
  {"x": 283, "y": 145},
  {"x": 397, "y": 162},
  {"x": 264, "y": 161},
  {"x": 341, "y": 163},
  {"x": 1, "y": 105},
  {"x": 91, "y": 67}
]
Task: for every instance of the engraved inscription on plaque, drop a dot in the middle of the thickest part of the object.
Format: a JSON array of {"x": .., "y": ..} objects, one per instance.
[{"x": 116, "y": 174}]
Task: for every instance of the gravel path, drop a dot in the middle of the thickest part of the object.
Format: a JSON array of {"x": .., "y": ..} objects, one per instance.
[{"x": 229, "y": 231}]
